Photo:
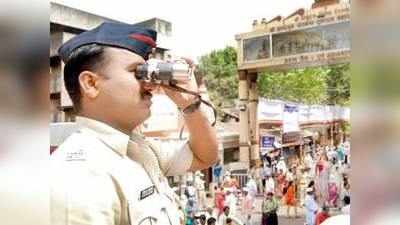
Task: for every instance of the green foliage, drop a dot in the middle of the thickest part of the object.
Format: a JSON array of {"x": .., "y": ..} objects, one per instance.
[
  {"x": 302, "y": 85},
  {"x": 338, "y": 80},
  {"x": 319, "y": 85},
  {"x": 220, "y": 70}
]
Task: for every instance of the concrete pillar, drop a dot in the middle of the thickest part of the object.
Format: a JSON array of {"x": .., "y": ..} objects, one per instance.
[
  {"x": 341, "y": 132},
  {"x": 253, "y": 102},
  {"x": 301, "y": 154},
  {"x": 332, "y": 136},
  {"x": 325, "y": 138},
  {"x": 244, "y": 145},
  {"x": 221, "y": 151}
]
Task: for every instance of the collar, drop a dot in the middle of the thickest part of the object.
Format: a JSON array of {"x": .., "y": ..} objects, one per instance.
[{"x": 110, "y": 136}]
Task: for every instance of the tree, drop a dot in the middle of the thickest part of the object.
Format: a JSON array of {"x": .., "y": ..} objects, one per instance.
[
  {"x": 220, "y": 70},
  {"x": 301, "y": 85},
  {"x": 338, "y": 81},
  {"x": 319, "y": 85}
]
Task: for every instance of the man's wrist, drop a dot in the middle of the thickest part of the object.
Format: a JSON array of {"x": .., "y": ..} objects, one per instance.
[{"x": 183, "y": 103}]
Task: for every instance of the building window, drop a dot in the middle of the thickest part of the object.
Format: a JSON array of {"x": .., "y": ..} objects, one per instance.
[{"x": 231, "y": 155}]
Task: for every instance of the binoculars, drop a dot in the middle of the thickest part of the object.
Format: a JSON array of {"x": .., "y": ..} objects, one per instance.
[{"x": 158, "y": 71}]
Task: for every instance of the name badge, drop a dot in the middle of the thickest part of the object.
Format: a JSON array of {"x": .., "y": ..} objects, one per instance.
[
  {"x": 79, "y": 155},
  {"x": 146, "y": 192}
]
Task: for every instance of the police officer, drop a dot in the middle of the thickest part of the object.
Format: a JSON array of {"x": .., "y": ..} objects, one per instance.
[
  {"x": 105, "y": 173},
  {"x": 200, "y": 188}
]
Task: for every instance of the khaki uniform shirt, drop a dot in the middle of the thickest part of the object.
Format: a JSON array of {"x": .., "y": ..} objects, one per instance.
[{"x": 101, "y": 176}]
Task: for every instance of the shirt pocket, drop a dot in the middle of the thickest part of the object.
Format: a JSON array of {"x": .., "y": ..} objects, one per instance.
[
  {"x": 151, "y": 210},
  {"x": 141, "y": 213}
]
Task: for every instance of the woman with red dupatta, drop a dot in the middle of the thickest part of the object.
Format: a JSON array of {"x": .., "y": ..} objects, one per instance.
[{"x": 219, "y": 200}]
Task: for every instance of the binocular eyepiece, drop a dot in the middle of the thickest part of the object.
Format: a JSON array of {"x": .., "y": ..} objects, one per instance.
[{"x": 158, "y": 71}]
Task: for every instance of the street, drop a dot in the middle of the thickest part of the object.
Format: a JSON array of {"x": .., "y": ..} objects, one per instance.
[{"x": 282, "y": 218}]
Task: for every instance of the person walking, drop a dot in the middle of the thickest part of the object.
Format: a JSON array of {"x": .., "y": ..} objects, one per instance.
[
  {"x": 290, "y": 199},
  {"x": 280, "y": 180},
  {"x": 282, "y": 165},
  {"x": 200, "y": 188},
  {"x": 231, "y": 201},
  {"x": 191, "y": 194},
  {"x": 322, "y": 179},
  {"x": 222, "y": 219},
  {"x": 340, "y": 153},
  {"x": 217, "y": 171},
  {"x": 270, "y": 207},
  {"x": 311, "y": 207},
  {"x": 333, "y": 194},
  {"x": 247, "y": 206},
  {"x": 270, "y": 184},
  {"x": 219, "y": 200},
  {"x": 251, "y": 186},
  {"x": 256, "y": 173},
  {"x": 266, "y": 172}
]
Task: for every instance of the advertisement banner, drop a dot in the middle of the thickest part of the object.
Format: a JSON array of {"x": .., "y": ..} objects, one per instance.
[
  {"x": 291, "y": 127},
  {"x": 290, "y": 118}
]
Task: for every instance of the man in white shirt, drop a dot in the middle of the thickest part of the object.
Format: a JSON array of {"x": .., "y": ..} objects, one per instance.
[
  {"x": 308, "y": 160},
  {"x": 251, "y": 187},
  {"x": 281, "y": 165},
  {"x": 311, "y": 207},
  {"x": 227, "y": 214},
  {"x": 270, "y": 185},
  {"x": 289, "y": 175},
  {"x": 256, "y": 173},
  {"x": 231, "y": 202}
]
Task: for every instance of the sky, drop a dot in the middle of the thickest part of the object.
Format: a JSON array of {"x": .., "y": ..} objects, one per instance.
[{"x": 198, "y": 27}]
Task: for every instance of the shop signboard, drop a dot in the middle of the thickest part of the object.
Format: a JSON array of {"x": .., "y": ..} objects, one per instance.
[
  {"x": 313, "y": 39},
  {"x": 266, "y": 143}
]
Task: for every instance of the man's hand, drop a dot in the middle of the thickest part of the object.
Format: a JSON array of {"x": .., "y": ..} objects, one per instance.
[
  {"x": 183, "y": 100},
  {"x": 202, "y": 136}
]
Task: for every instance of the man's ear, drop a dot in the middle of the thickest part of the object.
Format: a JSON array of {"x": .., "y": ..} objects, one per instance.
[{"x": 89, "y": 83}]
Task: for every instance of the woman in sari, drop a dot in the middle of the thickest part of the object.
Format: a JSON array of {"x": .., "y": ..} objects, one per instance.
[
  {"x": 322, "y": 179},
  {"x": 219, "y": 200},
  {"x": 280, "y": 180},
  {"x": 290, "y": 199},
  {"x": 333, "y": 194}
]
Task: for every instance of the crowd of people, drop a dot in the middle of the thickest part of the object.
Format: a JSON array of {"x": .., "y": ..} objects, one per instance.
[
  {"x": 225, "y": 206},
  {"x": 317, "y": 185}
]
